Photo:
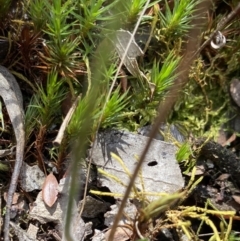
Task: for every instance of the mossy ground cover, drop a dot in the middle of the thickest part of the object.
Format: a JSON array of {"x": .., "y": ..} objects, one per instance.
[{"x": 59, "y": 50}]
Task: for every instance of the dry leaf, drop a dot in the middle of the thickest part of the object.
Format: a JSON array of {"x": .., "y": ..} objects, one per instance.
[
  {"x": 20, "y": 233},
  {"x": 50, "y": 190},
  {"x": 230, "y": 140},
  {"x": 222, "y": 137},
  {"x": 236, "y": 198},
  {"x": 121, "y": 234},
  {"x": 122, "y": 39},
  {"x": 200, "y": 170},
  {"x": 223, "y": 177}
]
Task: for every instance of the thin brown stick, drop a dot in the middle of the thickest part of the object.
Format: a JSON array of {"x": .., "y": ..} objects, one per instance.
[
  {"x": 58, "y": 139},
  {"x": 107, "y": 99},
  {"x": 165, "y": 108}
]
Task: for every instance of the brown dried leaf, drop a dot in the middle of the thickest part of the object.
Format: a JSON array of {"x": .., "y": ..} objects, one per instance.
[
  {"x": 236, "y": 198},
  {"x": 223, "y": 177},
  {"x": 222, "y": 137},
  {"x": 15, "y": 197},
  {"x": 200, "y": 170},
  {"x": 50, "y": 190},
  {"x": 121, "y": 234},
  {"x": 230, "y": 140}
]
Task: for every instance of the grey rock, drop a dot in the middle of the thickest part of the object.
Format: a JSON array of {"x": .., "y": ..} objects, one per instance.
[
  {"x": 93, "y": 207},
  {"x": 31, "y": 178},
  {"x": 130, "y": 209},
  {"x": 145, "y": 131},
  {"x": 160, "y": 170}
]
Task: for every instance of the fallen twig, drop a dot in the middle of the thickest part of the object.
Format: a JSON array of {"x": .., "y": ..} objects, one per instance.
[
  {"x": 162, "y": 115},
  {"x": 220, "y": 26},
  {"x": 58, "y": 139},
  {"x": 12, "y": 97}
]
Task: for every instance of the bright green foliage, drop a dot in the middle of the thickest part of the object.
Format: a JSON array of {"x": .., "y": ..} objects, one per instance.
[
  {"x": 87, "y": 14},
  {"x": 31, "y": 117},
  {"x": 71, "y": 32},
  {"x": 176, "y": 21},
  {"x": 133, "y": 8},
  {"x": 63, "y": 54},
  {"x": 38, "y": 13},
  {"x": 163, "y": 77},
  {"x": 114, "y": 114},
  {"x": 184, "y": 152},
  {"x": 202, "y": 108},
  {"x": 144, "y": 103},
  {"x": 45, "y": 105},
  {"x": 70, "y": 25},
  {"x": 79, "y": 117},
  {"x": 234, "y": 237}
]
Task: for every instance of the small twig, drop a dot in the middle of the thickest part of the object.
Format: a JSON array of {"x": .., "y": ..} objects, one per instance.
[
  {"x": 58, "y": 139},
  {"x": 138, "y": 231},
  {"x": 39, "y": 147},
  {"x": 12, "y": 97},
  {"x": 162, "y": 115},
  {"x": 121, "y": 208},
  {"x": 219, "y": 27},
  {"x": 105, "y": 104}
]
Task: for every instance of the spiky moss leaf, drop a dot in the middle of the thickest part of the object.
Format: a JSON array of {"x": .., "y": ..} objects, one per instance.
[
  {"x": 184, "y": 152},
  {"x": 114, "y": 111},
  {"x": 31, "y": 117},
  {"x": 176, "y": 21},
  {"x": 114, "y": 115},
  {"x": 38, "y": 13},
  {"x": 79, "y": 117},
  {"x": 132, "y": 9},
  {"x": 164, "y": 77},
  {"x": 89, "y": 12},
  {"x": 142, "y": 103},
  {"x": 62, "y": 45},
  {"x": 46, "y": 104}
]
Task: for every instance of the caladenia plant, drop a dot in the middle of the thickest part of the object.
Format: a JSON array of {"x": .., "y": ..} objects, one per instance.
[{"x": 66, "y": 49}]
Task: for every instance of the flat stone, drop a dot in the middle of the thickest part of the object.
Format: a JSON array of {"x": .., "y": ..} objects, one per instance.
[{"x": 160, "y": 171}]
